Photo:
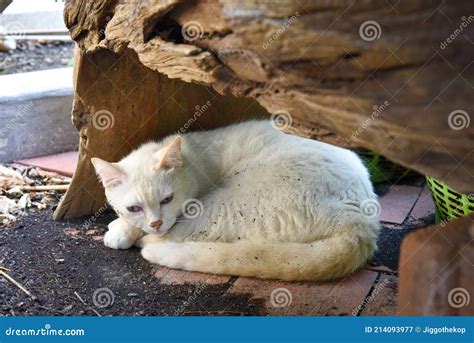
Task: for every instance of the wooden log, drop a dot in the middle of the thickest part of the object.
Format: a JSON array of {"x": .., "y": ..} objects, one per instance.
[
  {"x": 436, "y": 270},
  {"x": 4, "y": 4},
  {"x": 120, "y": 104},
  {"x": 394, "y": 77}
]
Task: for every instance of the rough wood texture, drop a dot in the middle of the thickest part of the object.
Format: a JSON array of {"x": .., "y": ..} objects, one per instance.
[
  {"x": 324, "y": 62},
  {"x": 437, "y": 270},
  {"x": 119, "y": 104},
  {"x": 4, "y": 4}
]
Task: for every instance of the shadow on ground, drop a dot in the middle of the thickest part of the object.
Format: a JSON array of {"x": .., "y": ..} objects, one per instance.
[
  {"x": 65, "y": 263},
  {"x": 59, "y": 265}
]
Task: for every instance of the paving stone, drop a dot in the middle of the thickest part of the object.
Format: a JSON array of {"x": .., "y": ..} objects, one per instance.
[
  {"x": 424, "y": 206},
  {"x": 382, "y": 269},
  {"x": 169, "y": 276},
  {"x": 282, "y": 298},
  {"x": 159, "y": 272},
  {"x": 347, "y": 295},
  {"x": 307, "y": 298},
  {"x": 397, "y": 203},
  {"x": 383, "y": 299},
  {"x": 64, "y": 164}
]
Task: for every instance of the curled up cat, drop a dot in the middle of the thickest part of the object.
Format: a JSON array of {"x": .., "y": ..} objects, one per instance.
[{"x": 246, "y": 200}]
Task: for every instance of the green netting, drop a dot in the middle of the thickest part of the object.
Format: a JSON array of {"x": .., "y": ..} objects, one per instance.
[{"x": 449, "y": 203}]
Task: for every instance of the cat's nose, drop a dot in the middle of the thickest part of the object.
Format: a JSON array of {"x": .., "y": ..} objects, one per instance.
[{"x": 156, "y": 224}]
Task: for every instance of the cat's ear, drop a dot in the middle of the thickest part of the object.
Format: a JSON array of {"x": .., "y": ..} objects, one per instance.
[
  {"x": 170, "y": 156},
  {"x": 109, "y": 173}
]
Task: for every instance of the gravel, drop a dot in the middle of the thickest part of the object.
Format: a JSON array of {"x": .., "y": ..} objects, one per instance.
[{"x": 33, "y": 55}]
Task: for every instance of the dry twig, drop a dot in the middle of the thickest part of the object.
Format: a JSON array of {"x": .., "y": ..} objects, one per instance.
[
  {"x": 42, "y": 188},
  {"x": 16, "y": 283},
  {"x": 85, "y": 304}
]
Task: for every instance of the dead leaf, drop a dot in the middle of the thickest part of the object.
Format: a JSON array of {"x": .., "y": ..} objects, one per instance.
[
  {"x": 7, "y": 205},
  {"x": 10, "y": 178},
  {"x": 24, "y": 201},
  {"x": 72, "y": 232}
]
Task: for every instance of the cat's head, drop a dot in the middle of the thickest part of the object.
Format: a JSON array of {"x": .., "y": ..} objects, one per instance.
[{"x": 144, "y": 187}]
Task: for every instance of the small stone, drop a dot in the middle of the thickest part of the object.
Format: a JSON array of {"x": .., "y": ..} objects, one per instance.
[
  {"x": 6, "y": 204},
  {"x": 15, "y": 192},
  {"x": 24, "y": 201}
]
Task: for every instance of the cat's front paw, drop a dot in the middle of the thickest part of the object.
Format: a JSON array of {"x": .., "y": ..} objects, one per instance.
[
  {"x": 121, "y": 235},
  {"x": 117, "y": 239}
]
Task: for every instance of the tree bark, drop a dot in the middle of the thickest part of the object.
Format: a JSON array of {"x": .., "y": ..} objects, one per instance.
[
  {"x": 120, "y": 104},
  {"x": 391, "y": 77}
]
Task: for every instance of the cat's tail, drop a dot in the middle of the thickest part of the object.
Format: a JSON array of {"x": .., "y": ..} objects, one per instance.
[{"x": 325, "y": 259}]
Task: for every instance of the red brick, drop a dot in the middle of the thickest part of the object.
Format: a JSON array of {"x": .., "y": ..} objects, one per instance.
[
  {"x": 383, "y": 300},
  {"x": 179, "y": 277},
  {"x": 309, "y": 298},
  {"x": 64, "y": 164},
  {"x": 383, "y": 269},
  {"x": 347, "y": 295},
  {"x": 159, "y": 272},
  {"x": 398, "y": 202},
  {"x": 424, "y": 206},
  {"x": 304, "y": 296}
]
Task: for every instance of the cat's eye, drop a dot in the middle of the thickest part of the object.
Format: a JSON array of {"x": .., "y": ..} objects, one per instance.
[
  {"x": 166, "y": 200},
  {"x": 134, "y": 209}
]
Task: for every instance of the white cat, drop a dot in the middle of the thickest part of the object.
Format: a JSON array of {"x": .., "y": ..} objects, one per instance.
[{"x": 244, "y": 200}]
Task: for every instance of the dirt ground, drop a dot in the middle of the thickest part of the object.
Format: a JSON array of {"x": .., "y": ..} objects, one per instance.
[
  {"x": 36, "y": 55},
  {"x": 53, "y": 260},
  {"x": 64, "y": 263}
]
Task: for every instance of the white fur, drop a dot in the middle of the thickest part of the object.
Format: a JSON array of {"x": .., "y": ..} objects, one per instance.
[
  {"x": 274, "y": 205},
  {"x": 121, "y": 235}
]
